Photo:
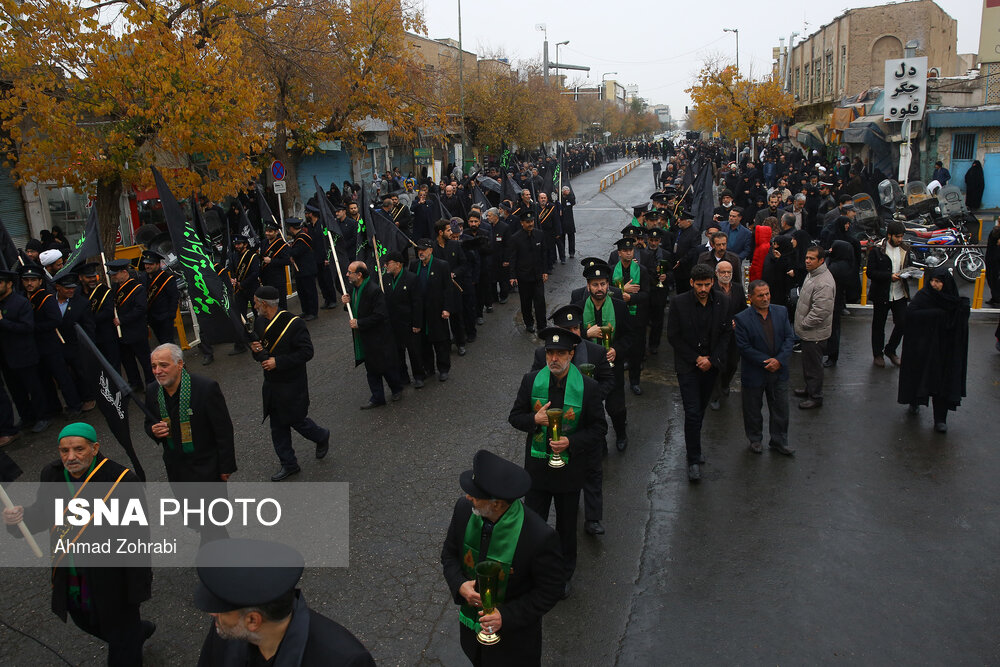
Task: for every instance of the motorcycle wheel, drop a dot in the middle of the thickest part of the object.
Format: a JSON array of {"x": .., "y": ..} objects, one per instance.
[{"x": 969, "y": 265}]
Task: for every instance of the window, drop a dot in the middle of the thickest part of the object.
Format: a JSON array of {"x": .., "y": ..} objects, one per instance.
[
  {"x": 843, "y": 67},
  {"x": 963, "y": 147},
  {"x": 807, "y": 93},
  {"x": 817, "y": 79},
  {"x": 829, "y": 74},
  {"x": 798, "y": 84}
]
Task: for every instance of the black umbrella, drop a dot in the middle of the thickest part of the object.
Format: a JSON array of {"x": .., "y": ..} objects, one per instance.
[{"x": 490, "y": 184}]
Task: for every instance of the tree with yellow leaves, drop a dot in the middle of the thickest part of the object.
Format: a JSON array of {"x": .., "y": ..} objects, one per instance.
[{"x": 740, "y": 106}]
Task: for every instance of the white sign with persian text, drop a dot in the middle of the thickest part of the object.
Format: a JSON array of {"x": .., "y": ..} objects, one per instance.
[{"x": 905, "y": 89}]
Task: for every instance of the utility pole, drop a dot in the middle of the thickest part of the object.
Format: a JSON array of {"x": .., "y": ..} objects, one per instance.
[{"x": 461, "y": 84}]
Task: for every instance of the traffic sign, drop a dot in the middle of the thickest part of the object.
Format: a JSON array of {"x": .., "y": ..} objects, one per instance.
[
  {"x": 279, "y": 187},
  {"x": 277, "y": 170}
]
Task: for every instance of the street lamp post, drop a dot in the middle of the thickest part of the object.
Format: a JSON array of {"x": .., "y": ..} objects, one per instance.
[
  {"x": 558, "y": 44},
  {"x": 604, "y": 113},
  {"x": 461, "y": 85},
  {"x": 737, "y": 32}
]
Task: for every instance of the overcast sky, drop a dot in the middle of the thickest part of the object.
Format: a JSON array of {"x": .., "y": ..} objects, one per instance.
[{"x": 658, "y": 45}]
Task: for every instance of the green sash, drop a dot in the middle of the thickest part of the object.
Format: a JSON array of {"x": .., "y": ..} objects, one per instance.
[
  {"x": 633, "y": 273},
  {"x": 420, "y": 265},
  {"x": 503, "y": 543},
  {"x": 183, "y": 413},
  {"x": 359, "y": 351},
  {"x": 635, "y": 222},
  {"x": 572, "y": 405},
  {"x": 607, "y": 315}
]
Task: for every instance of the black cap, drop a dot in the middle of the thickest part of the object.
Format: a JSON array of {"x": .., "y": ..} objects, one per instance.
[
  {"x": 87, "y": 269},
  {"x": 339, "y": 207},
  {"x": 725, "y": 193},
  {"x": 9, "y": 276},
  {"x": 33, "y": 244},
  {"x": 601, "y": 270},
  {"x": 116, "y": 265},
  {"x": 294, "y": 222},
  {"x": 590, "y": 261},
  {"x": 272, "y": 225},
  {"x": 151, "y": 257},
  {"x": 630, "y": 230},
  {"x": 684, "y": 213},
  {"x": 505, "y": 205},
  {"x": 312, "y": 208},
  {"x": 660, "y": 197},
  {"x": 626, "y": 243},
  {"x": 494, "y": 477},
  {"x": 639, "y": 209},
  {"x": 393, "y": 256},
  {"x": 567, "y": 316},
  {"x": 67, "y": 280},
  {"x": 657, "y": 233},
  {"x": 239, "y": 573},
  {"x": 267, "y": 293},
  {"x": 32, "y": 271},
  {"x": 424, "y": 244},
  {"x": 652, "y": 215},
  {"x": 528, "y": 216},
  {"x": 239, "y": 238},
  {"x": 557, "y": 338}
]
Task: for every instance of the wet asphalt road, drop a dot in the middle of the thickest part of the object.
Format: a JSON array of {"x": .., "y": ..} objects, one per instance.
[{"x": 876, "y": 544}]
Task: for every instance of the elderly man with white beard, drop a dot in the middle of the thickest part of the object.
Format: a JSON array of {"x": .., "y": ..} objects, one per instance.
[{"x": 725, "y": 284}]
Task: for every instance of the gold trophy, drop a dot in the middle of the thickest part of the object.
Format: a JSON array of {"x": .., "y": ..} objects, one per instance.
[
  {"x": 487, "y": 580},
  {"x": 606, "y": 331},
  {"x": 555, "y": 421},
  {"x": 587, "y": 369},
  {"x": 663, "y": 265}
]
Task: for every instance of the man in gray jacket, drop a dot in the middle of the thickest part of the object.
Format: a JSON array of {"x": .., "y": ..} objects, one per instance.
[{"x": 813, "y": 324}]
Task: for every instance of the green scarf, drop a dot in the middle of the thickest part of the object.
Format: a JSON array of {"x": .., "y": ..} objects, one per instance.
[
  {"x": 183, "y": 411},
  {"x": 635, "y": 222},
  {"x": 76, "y": 585},
  {"x": 633, "y": 274},
  {"x": 607, "y": 315},
  {"x": 503, "y": 543},
  {"x": 572, "y": 405},
  {"x": 359, "y": 350}
]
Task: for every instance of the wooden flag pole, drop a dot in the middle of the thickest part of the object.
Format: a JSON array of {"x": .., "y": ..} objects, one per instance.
[
  {"x": 340, "y": 274},
  {"x": 21, "y": 526},
  {"x": 104, "y": 263}
]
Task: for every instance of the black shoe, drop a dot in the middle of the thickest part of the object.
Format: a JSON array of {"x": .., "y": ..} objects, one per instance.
[
  {"x": 781, "y": 449},
  {"x": 329, "y": 305},
  {"x": 418, "y": 384},
  {"x": 567, "y": 589},
  {"x": 637, "y": 390},
  {"x": 372, "y": 404},
  {"x": 694, "y": 473},
  {"x": 461, "y": 350},
  {"x": 480, "y": 321},
  {"x": 621, "y": 444},
  {"x": 285, "y": 473},
  {"x": 654, "y": 350},
  {"x": 206, "y": 361},
  {"x": 148, "y": 628},
  {"x": 503, "y": 301},
  {"x": 941, "y": 427},
  {"x": 914, "y": 409},
  {"x": 562, "y": 261},
  {"x": 308, "y": 318},
  {"x": 593, "y": 528},
  {"x": 829, "y": 363},
  {"x": 489, "y": 309},
  {"x": 530, "y": 329},
  {"x": 237, "y": 350},
  {"x": 471, "y": 339},
  {"x": 397, "y": 396},
  {"x": 811, "y": 403},
  {"x": 756, "y": 448},
  {"x": 801, "y": 393},
  {"x": 323, "y": 446},
  {"x": 41, "y": 425},
  {"x": 443, "y": 377}
]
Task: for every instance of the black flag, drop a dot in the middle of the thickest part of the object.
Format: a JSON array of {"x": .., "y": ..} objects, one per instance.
[
  {"x": 265, "y": 210},
  {"x": 702, "y": 203},
  {"x": 89, "y": 245},
  {"x": 479, "y": 197},
  {"x": 8, "y": 251},
  {"x": 384, "y": 235},
  {"x": 328, "y": 219},
  {"x": 208, "y": 296},
  {"x": 112, "y": 394}
]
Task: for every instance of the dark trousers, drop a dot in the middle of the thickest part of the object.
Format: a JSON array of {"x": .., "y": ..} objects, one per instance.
[
  {"x": 657, "y": 308},
  {"x": 593, "y": 487},
  {"x": 135, "y": 362},
  {"x": 164, "y": 330},
  {"x": 776, "y": 392},
  {"x": 6, "y": 415},
  {"x": 378, "y": 390},
  {"x": 561, "y": 248},
  {"x": 124, "y": 638},
  {"x": 26, "y": 391},
  {"x": 567, "y": 508},
  {"x": 503, "y": 281},
  {"x": 308, "y": 296},
  {"x": 281, "y": 438},
  {"x": 571, "y": 240},
  {"x": 880, "y": 313},
  {"x": 410, "y": 345},
  {"x": 324, "y": 278},
  {"x": 469, "y": 302},
  {"x": 812, "y": 367},
  {"x": 833, "y": 342},
  {"x": 696, "y": 389},
  {"x": 439, "y": 350},
  {"x": 110, "y": 349},
  {"x": 55, "y": 373},
  {"x": 242, "y": 303},
  {"x": 727, "y": 372},
  {"x": 637, "y": 354},
  {"x": 532, "y": 294}
]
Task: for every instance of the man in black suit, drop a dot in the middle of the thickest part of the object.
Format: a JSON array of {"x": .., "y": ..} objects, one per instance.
[
  {"x": 435, "y": 288},
  {"x": 19, "y": 361},
  {"x": 102, "y": 305},
  {"x": 634, "y": 282},
  {"x": 273, "y": 261},
  {"x": 504, "y": 531},
  {"x": 75, "y": 310},
  {"x": 527, "y": 259},
  {"x": 162, "y": 297},
  {"x": 698, "y": 328},
  {"x": 283, "y": 348},
  {"x": 130, "y": 304},
  {"x": 245, "y": 278},
  {"x": 687, "y": 246},
  {"x": 321, "y": 254},
  {"x": 405, "y": 309},
  {"x": 730, "y": 285},
  {"x": 194, "y": 425},
  {"x": 571, "y": 318},
  {"x": 303, "y": 257},
  {"x": 560, "y": 385},
  {"x": 372, "y": 333},
  {"x": 450, "y": 250}
]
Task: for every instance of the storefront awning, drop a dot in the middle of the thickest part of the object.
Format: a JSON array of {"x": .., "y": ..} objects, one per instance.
[
  {"x": 871, "y": 131},
  {"x": 842, "y": 117},
  {"x": 809, "y": 135},
  {"x": 987, "y": 116}
]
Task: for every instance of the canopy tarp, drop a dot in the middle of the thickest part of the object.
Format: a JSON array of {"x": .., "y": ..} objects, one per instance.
[{"x": 871, "y": 131}]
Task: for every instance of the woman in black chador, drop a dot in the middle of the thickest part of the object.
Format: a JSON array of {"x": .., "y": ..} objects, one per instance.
[{"x": 935, "y": 348}]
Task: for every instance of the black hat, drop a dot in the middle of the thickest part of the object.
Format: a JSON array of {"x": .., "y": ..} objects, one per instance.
[
  {"x": 424, "y": 244},
  {"x": 32, "y": 271},
  {"x": 641, "y": 233},
  {"x": 266, "y": 293},
  {"x": 847, "y": 206},
  {"x": 116, "y": 265},
  {"x": 653, "y": 215},
  {"x": 9, "y": 276},
  {"x": 657, "y": 233},
  {"x": 590, "y": 261},
  {"x": 393, "y": 256},
  {"x": 639, "y": 209},
  {"x": 33, "y": 244},
  {"x": 725, "y": 193},
  {"x": 601, "y": 270},
  {"x": 660, "y": 197},
  {"x": 294, "y": 222},
  {"x": 67, "y": 280},
  {"x": 528, "y": 216},
  {"x": 684, "y": 213},
  {"x": 240, "y": 573},
  {"x": 557, "y": 338},
  {"x": 271, "y": 224},
  {"x": 151, "y": 257},
  {"x": 239, "y": 238},
  {"x": 670, "y": 191},
  {"x": 567, "y": 316},
  {"x": 87, "y": 269},
  {"x": 626, "y": 243},
  {"x": 339, "y": 207},
  {"x": 494, "y": 477},
  {"x": 312, "y": 208},
  {"x": 630, "y": 230},
  {"x": 505, "y": 205}
]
